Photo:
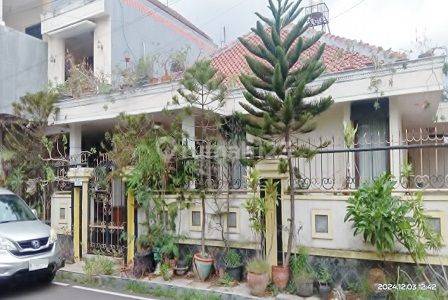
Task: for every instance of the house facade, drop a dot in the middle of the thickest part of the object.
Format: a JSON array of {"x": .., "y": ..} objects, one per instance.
[{"x": 395, "y": 102}]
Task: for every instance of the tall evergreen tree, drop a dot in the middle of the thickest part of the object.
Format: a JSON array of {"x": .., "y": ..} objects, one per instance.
[{"x": 281, "y": 102}]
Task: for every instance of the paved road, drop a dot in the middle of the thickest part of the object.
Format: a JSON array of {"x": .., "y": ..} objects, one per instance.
[{"x": 61, "y": 291}]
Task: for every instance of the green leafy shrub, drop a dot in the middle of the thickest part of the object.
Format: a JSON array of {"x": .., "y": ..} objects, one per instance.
[
  {"x": 258, "y": 266},
  {"x": 323, "y": 274},
  {"x": 299, "y": 264},
  {"x": 232, "y": 259},
  {"x": 384, "y": 220},
  {"x": 226, "y": 280},
  {"x": 99, "y": 265},
  {"x": 165, "y": 271}
]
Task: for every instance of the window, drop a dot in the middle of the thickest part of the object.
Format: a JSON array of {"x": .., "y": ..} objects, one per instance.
[
  {"x": 62, "y": 213},
  {"x": 436, "y": 224},
  {"x": 437, "y": 220},
  {"x": 232, "y": 221},
  {"x": 195, "y": 219},
  {"x": 321, "y": 224},
  {"x": 372, "y": 119}
]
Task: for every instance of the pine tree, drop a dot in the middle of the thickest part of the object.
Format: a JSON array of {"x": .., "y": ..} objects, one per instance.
[
  {"x": 203, "y": 92},
  {"x": 281, "y": 103}
]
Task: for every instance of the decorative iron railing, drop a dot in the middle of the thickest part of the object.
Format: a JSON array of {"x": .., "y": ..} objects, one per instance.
[
  {"x": 59, "y": 7},
  {"x": 418, "y": 160}
]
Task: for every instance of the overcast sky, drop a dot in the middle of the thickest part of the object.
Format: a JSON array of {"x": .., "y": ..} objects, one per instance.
[{"x": 392, "y": 24}]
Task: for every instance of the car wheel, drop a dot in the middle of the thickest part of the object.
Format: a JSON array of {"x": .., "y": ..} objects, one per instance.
[{"x": 49, "y": 277}]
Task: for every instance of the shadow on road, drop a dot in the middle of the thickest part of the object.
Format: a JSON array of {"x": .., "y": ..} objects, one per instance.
[{"x": 23, "y": 288}]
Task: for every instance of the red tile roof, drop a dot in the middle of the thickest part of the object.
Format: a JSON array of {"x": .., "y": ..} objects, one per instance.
[{"x": 340, "y": 54}]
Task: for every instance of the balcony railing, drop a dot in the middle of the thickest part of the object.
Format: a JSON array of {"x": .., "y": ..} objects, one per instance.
[
  {"x": 62, "y": 6},
  {"x": 418, "y": 160}
]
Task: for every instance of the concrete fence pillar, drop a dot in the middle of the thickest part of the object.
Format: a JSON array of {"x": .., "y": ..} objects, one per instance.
[{"x": 80, "y": 178}]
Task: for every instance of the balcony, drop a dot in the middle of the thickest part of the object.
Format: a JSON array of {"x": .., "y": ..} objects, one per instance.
[
  {"x": 68, "y": 13},
  {"x": 60, "y": 7},
  {"x": 418, "y": 159}
]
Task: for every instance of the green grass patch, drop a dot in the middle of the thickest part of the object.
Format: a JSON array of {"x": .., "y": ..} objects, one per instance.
[
  {"x": 136, "y": 287},
  {"x": 98, "y": 265}
]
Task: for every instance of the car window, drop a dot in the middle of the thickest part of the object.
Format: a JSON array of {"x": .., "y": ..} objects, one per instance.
[{"x": 14, "y": 209}]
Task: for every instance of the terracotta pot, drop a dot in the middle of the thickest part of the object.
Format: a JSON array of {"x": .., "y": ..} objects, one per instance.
[
  {"x": 280, "y": 276},
  {"x": 153, "y": 80},
  {"x": 257, "y": 283},
  {"x": 166, "y": 78},
  {"x": 349, "y": 295},
  {"x": 202, "y": 266}
]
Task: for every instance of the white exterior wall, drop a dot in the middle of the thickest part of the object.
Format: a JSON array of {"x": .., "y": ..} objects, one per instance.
[
  {"x": 395, "y": 137},
  {"x": 56, "y": 59},
  {"x": 242, "y": 238},
  {"x": 343, "y": 238},
  {"x": 75, "y": 143},
  {"x": 102, "y": 48},
  {"x": 2, "y": 21}
]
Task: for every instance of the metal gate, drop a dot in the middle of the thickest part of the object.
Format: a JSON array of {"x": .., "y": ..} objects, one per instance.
[{"x": 107, "y": 211}]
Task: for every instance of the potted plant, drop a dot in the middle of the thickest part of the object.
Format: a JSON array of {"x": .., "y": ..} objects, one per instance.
[
  {"x": 280, "y": 276},
  {"x": 233, "y": 264},
  {"x": 183, "y": 265},
  {"x": 257, "y": 276},
  {"x": 324, "y": 279},
  {"x": 202, "y": 264},
  {"x": 354, "y": 290},
  {"x": 375, "y": 277},
  {"x": 166, "y": 271},
  {"x": 144, "y": 258},
  {"x": 302, "y": 273},
  {"x": 198, "y": 82}
]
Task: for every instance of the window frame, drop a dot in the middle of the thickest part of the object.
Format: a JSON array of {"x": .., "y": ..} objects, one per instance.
[
  {"x": 190, "y": 214},
  {"x": 437, "y": 214},
  {"x": 236, "y": 229},
  {"x": 322, "y": 235}
]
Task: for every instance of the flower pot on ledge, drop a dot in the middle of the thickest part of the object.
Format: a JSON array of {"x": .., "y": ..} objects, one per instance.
[
  {"x": 153, "y": 81},
  {"x": 280, "y": 276},
  {"x": 257, "y": 283},
  {"x": 202, "y": 266},
  {"x": 166, "y": 78}
]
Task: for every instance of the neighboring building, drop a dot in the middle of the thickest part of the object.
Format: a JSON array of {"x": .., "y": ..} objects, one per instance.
[
  {"x": 109, "y": 35},
  {"x": 24, "y": 54}
]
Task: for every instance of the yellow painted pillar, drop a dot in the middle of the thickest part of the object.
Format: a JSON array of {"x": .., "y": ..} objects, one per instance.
[
  {"x": 85, "y": 216},
  {"x": 130, "y": 227},
  {"x": 76, "y": 223},
  {"x": 80, "y": 177}
]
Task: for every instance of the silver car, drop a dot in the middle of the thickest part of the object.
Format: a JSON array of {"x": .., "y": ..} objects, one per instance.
[{"x": 27, "y": 246}]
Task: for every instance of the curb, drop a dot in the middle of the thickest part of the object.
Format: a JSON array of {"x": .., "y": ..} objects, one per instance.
[{"x": 120, "y": 283}]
